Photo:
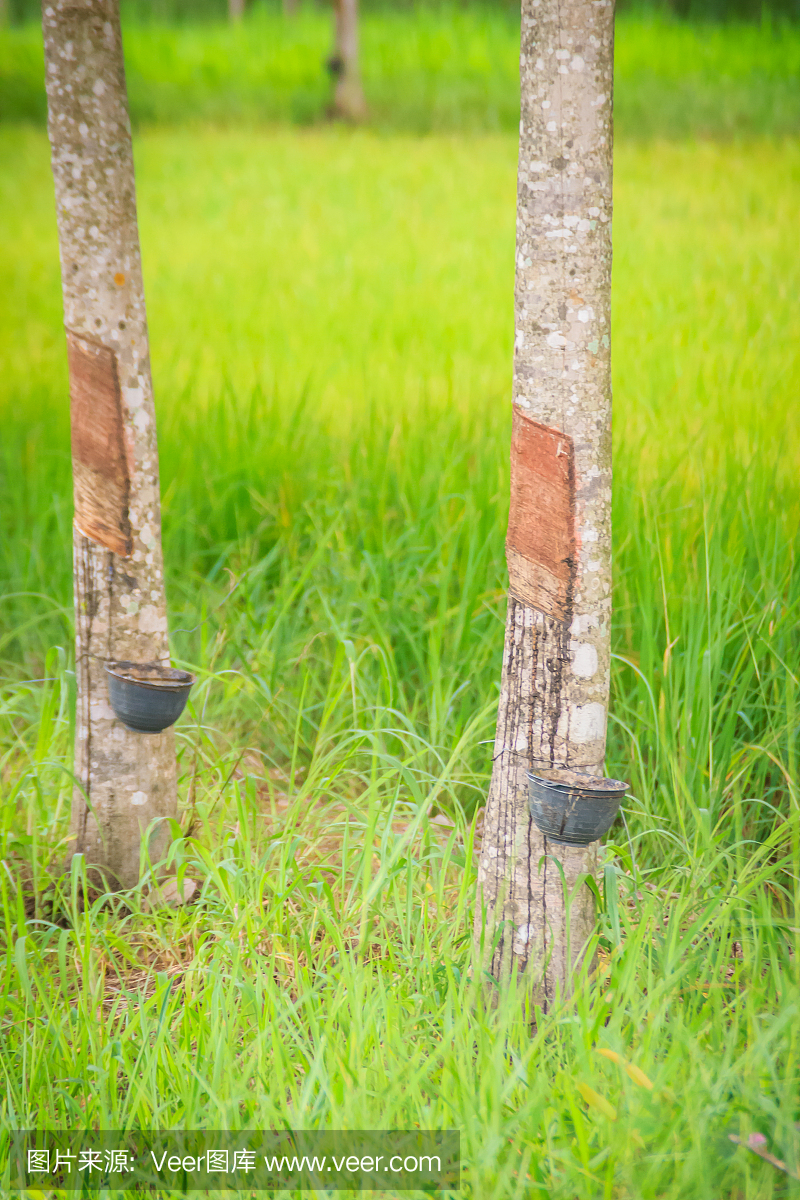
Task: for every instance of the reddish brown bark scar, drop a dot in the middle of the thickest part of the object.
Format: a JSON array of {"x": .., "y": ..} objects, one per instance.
[
  {"x": 540, "y": 544},
  {"x": 99, "y": 463}
]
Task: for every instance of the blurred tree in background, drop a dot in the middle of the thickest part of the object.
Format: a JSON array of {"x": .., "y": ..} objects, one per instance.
[{"x": 348, "y": 96}]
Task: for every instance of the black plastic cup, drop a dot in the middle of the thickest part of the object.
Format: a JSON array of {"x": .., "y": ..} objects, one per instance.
[
  {"x": 147, "y": 697},
  {"x": 574, "y": 809}
]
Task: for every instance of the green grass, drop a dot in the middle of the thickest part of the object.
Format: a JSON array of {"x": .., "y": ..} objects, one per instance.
[
  {"x": 331, "y": 322},
  {"x": 433, "y": 69}
]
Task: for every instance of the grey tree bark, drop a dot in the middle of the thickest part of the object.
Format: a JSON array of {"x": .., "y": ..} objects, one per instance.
[
  {"x": 348, "y": 95},
  {"x": 126, "y": 780},
  {"x": 555, "y": 679}
]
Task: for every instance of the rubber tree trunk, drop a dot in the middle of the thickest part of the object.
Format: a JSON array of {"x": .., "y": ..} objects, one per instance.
[
  {"x": 125, "y": 780},
  {"x": 348, "y": 96},
  {"x": 555, "y": 679}
]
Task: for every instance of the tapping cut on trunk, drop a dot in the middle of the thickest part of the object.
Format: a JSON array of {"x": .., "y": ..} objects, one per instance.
[
  {"x": 540, "y": 544},
  {"x": 99, "y": 463}
]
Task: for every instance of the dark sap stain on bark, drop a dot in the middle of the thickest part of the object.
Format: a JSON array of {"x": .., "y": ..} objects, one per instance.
[
  {"x": 99, "y": 464},
  {"x": 85, "y": 588},
  {"x": 540, "y": 544}
]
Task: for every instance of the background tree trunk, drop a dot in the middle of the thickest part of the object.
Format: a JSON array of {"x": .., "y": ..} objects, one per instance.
[
  {"x": 554, "y": 689},
  {"x": 120, "y": 611},
  {"x": 236, "y": 9},
  {"x": 348, "y": 96}
]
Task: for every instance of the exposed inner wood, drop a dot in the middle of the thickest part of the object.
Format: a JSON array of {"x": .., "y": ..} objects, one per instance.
[
  {"x": 99, "y": 464},
  {"x": 540, "y": 544}
]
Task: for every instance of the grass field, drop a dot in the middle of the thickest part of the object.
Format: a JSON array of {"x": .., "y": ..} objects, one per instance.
[
  {"x": 331, "y": 317},
  {"x": 444, "y": 68}
]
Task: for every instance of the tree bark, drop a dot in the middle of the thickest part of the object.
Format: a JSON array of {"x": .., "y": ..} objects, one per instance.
[
  {"x": 554, "y": 688},
  {"x": 348, "y": 96},
  {"x": 125, "y": 780}
]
